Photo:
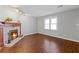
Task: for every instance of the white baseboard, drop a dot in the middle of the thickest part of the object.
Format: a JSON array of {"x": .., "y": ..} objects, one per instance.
[
  {"x": 61, "y": 37},
  {"x": 30, "y": 34},
  {"x": 18, "y": 39}
]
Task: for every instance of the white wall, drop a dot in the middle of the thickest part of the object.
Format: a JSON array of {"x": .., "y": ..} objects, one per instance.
[
  {"x": 68, "y": 24},
  {"x": 28, "y": 24}
]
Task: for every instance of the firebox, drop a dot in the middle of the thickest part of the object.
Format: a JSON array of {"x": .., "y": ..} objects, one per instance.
[{"x": 13, "y": 34}]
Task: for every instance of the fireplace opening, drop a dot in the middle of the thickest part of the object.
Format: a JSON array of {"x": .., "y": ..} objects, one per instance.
[{"x": 13, "y": 34}]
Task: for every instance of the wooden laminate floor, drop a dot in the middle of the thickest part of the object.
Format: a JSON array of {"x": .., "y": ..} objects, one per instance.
[{"x": 39, "y": 43}]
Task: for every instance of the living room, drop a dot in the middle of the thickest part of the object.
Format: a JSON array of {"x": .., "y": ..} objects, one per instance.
[{"x": 39, "y": 28}]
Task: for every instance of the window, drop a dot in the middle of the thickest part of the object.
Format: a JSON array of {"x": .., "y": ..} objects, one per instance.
[
  {"x": 46, "y": 24},
  {"x": 51, "y": 23},
  {"x": 54, "y": 23}
]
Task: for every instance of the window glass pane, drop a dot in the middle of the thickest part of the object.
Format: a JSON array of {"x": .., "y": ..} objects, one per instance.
[
  {"x": 46, "y": 21},
  {"x": 46, "y": 25},
  {"x": 53, "y": 20},
  {"x": 50, "y": 23},
  {"x": 53, "y": 27}
]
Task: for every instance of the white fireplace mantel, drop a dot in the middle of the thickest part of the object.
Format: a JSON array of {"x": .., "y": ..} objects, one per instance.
[{"x": 6, "y": 29}]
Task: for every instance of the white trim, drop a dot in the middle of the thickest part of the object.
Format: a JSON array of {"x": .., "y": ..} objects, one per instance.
[
  {"x": 30, "y": 34},
  {"x": 61, "y": 37},
  {"x": 18, "y": 39}
]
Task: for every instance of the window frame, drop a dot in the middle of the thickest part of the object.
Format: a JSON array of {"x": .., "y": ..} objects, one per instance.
[
  {"x": 50, "y": 23},
  {"x": 55, "y": 23},
  {"x": 46, "y": 24}
]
